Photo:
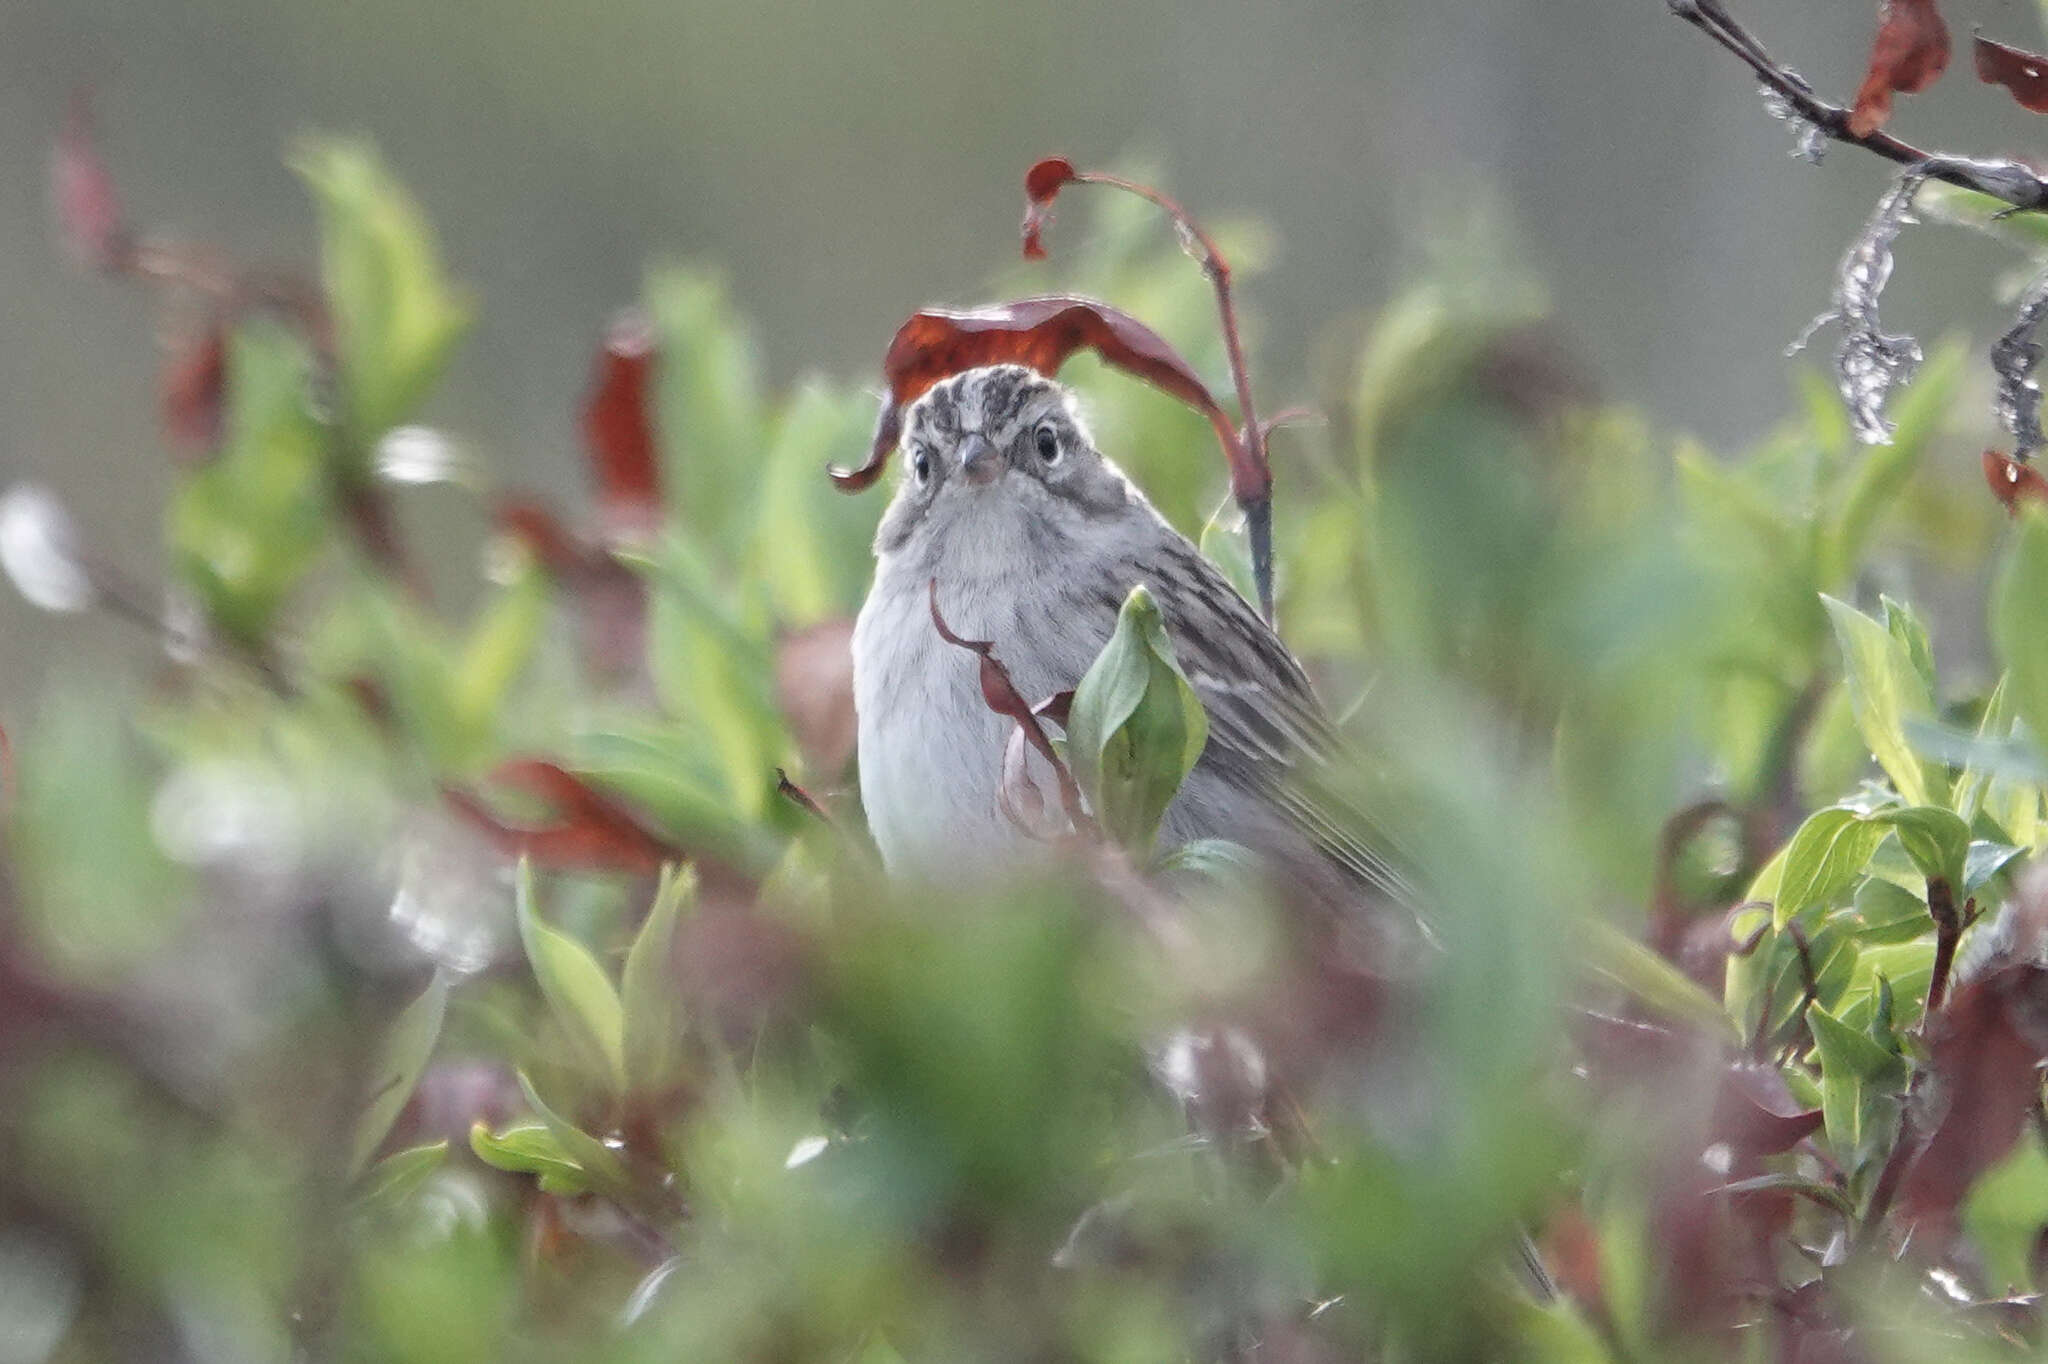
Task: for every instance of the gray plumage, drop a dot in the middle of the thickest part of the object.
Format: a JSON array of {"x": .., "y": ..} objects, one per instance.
[{"x": 1034, "y": 538}]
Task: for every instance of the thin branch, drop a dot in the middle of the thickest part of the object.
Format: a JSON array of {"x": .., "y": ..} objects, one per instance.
[
  {"x": 2008, "y": 181},
  {"x": 1948, "y": 930},
  {"x": 802, "y": 799},
  {"x": 1255, "y": 493}
]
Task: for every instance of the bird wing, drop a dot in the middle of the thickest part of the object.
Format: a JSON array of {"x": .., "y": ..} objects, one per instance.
[{"x": 1268, "y": 734}]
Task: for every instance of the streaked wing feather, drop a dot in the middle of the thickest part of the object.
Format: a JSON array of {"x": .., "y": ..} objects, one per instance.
[{"x": 1267, "y": 731}]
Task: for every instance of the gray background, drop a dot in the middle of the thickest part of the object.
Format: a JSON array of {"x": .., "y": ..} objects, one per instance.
[{"x": 845, "y": 163}]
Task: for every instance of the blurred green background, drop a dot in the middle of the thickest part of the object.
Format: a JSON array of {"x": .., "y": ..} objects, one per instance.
[{"x": 844, "y": 164}]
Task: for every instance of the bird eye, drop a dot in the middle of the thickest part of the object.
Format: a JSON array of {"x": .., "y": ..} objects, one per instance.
[
  {"x": 1048, "y": 442},
  {"x": 921, "y": 464}
]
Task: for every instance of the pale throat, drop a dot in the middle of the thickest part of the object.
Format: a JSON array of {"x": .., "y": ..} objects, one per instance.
[{"x": 991, "y": 535}]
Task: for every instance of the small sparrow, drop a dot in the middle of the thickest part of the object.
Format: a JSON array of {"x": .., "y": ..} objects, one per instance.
[{"x": 1034, "y": 538}]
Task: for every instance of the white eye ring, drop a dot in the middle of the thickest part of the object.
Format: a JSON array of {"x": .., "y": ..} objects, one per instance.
[
  {"x": 1048, "y": 438},
  {"x": 921, "y": 464}
]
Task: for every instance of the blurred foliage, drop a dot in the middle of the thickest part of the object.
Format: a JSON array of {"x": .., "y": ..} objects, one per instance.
[{"x": 356, "y": 1002}]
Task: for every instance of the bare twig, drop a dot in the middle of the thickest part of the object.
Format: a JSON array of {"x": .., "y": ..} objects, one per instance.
[
  {"x": 2008, "y": 181},
  {"x": 802, "y": 799}
]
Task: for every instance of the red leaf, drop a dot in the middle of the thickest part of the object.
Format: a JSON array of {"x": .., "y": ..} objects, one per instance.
[
  {"x": 611, "y": 599},
  {"x": 618, "y": 429},
  {"x": 1041, "y": 333},
  {"x": 1042, "y": 184},
  {"x": 590, "y": 829},
  {"x": 2022, "y": 72},
  {"x": 2013, "y": 482},
  {"x": 558, "y": 549},
  {"x": 1756, "y": 1114},
  {"x": 88, "y": 208},
  {"x": 1985, "y": 1050},
  {"x": 1000, "y": 695},
  {"x": 1908, "y": 55},
  {"x": 191, "y": 387}
]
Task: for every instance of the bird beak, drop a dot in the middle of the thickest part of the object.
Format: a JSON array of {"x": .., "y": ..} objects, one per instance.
[{"x": 978, "y": 459}]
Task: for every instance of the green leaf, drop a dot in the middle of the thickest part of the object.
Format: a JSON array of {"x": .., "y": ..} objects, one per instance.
[
  {"x": 245, "y": 528},
  {"x": 576, "y": 987},
  {"x": 1906, "y": 628},
  {"x": 1984, "y": 861},
  {"x": 713, "y": 671},
  {"x": 1825, "y": 857},
  {"x": 1652, "y": 980},
  {"x": 391, "y": 1180},
  {"x": 1136, "y": 727},
  {"x": 1936, "y": 839},
  {"x": 822, "y": 572},
  {"x": 1857, "y": 1075},
  {"x": 407, "y": 1046},
  {"x": 1827, "y": 1195},
  {"x": 396, "y": 320},
  {"x": 2019, "y": 619},
  {"x": 1886, "y": 691},
  {"x": 2004, "y": 1212},
  {"x": 709, "y": 409},
  {"x": 596, "y": 1159},
  {"x": 649, "y": 993},
  {"x": 501, "y": 643},
  {"x": 1890, "y": 913},
  {"x": 530, "y": 1148}
]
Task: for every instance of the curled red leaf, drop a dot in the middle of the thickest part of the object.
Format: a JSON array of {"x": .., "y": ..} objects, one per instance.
[
  {"x": 2023, "y": 73},
  {"x": 1042, "y": 184},
  {"x": 618, "y": 429},
  {"x": 88, "y": 208},
  {"x": 1041, "y": 333},
  {"x": 999, "y": 693},
  {"x": 589, "y": 828},
  {"x": 192, "y": 386},
  {"x": 2013, "y": 482},
  {"x": 1909, "y": 54}
]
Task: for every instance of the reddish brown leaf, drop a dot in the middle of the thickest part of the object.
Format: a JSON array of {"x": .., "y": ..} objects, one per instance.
[
  {"x": 1756, "y": 1114},
  {"x": 1042, "y": 184},
  {"x": 1000, "y": 695},
  {"x": 2013, "y": 482},
  {"x": 191, "y": 387},
  {"x": 589, "y": 828},
  {"x": 1908, "y": 55},
  {"x": 88, "y": 208},
  {"x": 618, "y": 429},
  {"x": 814, "y": 687},
  {"x": 2023, "y": 73},
  {"x": 611, "y": 599},
  {"x": 1985, "y": 1049},
  {"x": 558, "y": 549},
  {"x": 1041, "y": 333}
]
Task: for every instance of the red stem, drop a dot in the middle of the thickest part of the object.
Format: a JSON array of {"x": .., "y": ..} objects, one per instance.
[{"x": 1256, "y": 500}]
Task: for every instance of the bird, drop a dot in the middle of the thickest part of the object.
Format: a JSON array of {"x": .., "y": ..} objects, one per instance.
[
  {"x": 1013, "y": 526},
  {"x": 1025, "y": 534}
]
